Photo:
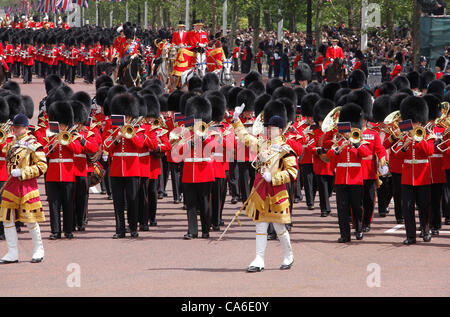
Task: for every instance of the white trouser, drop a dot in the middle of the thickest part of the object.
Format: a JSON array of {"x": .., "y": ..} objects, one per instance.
[
  {"x": 11, "y": 241},
  {"x": 261, "y": 243},
  {"x": 38, "y": 247},
  {"x": 285, "y": 240}
]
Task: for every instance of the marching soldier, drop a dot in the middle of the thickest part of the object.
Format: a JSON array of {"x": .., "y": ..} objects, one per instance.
[
  {"x": 348, "y": 155},
  {"x": 25, "y": 162},
  {"x": 124, "y": 168},
  {"x": 269, "y": 200},
  {"x": 28, "y": 62},
  {"x": 415, "y": 148},
  {"x": 60, "y": 177}
]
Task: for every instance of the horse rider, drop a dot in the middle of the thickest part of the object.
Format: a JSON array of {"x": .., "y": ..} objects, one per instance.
[
  {"x": 129, "y": 48},
  {"x": 334, "y": 51}
]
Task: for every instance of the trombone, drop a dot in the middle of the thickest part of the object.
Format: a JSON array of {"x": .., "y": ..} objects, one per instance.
[
  {"x": 63, "y": 138},
  {"x": 417, "y": 134},
  {"x": 127, "y": 131}
]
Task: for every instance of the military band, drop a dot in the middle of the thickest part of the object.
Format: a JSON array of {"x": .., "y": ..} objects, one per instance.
[{"x": 263, "y": 141}]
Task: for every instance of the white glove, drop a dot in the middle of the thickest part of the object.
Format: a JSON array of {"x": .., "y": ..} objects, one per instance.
[
  {"x": 105, "y": 158},
  {"x": 238, "y": 111},
  {"x": 384, "y": 170},
  {"x": 276, "y": 147},
  {"x": 267, "y": 177},
  {"x": 17, "y": 172}
]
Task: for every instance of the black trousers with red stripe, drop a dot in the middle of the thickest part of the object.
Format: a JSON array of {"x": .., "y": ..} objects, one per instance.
[
  {"x": 197, "y": 197},
  {"x": 349, "y": 200},
  {"x": 60, "y": 195},
  {"x": 368, "y": 201},
  {"x": 143, "y": 201},
  {"x": 435, "y": 206},
  {"x": 412, "y": 195},
  {"x": 397, "y": 193},
  {"x": 384, "y": 193},
  {"x": 125, "y": 187},
  {"x": 81, "y": 200}
]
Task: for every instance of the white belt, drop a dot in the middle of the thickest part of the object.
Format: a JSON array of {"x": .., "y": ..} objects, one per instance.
[
  {"x": 80, "y": 155},
  {"x": 218, "y": 154},
  {"x": 144, "y": 154},
  {"x": 2, "y": 158},
  {"x": 125, "y": 154},
  {"x": 437, "y": 155},
  {"x": 349, "y": 164},
  {"x": 197, "y": 159},
  {"x": 415, "y": 161},
  {"x": 60, "y": 161}
]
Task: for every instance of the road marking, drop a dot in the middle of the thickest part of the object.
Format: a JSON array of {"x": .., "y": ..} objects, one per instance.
[{"x": 397, "y": 227}]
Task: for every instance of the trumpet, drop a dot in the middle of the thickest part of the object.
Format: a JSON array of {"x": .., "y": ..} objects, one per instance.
[
  {"x": 417, "y": 135},
  {"x": 355, "y": 136},
  {"x": 127, "y": 131},
  {"x": 200, "y": 129},
  {"x": 63, "y": 138}
]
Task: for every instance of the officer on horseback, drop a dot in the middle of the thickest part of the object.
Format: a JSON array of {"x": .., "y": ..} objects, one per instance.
[{"x": 128, "y": 50}]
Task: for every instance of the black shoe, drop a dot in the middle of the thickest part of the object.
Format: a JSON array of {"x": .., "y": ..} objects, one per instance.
[
  {"x": 359, "y": 236},
  {"x": 409, "y": 241},
  {"x": 135, "y": 234},
  {"x": 119, "y": 236},
  {"x": 2, "y": 237},
  {"x": 184, "y": 207},
  {"x": 296, "y": 200},
  {"x": 109, "y": 197},
  {"x": 68, "y": 235},
  {"x": 221, "y": 223},
  {"x": 289, "y": 227},
  {"x": 323, "y": 214},
  {"x": 160, "y": 196},
  {"x": 177, "y": 201},
  {"x": 311, "y": 207},
  {"x": 165, "y": 194},
  {"x": 127, "y": 229},
  {"x": 343, "y": 240},
  {"x": 400, "y": 221},
  {"x": 382, "y": 214},
  {"x": 253, "y": 269},
  {"x": 286, "y": 267},
  {"x": 427, "y": 237},
  {"x": 272, "y": 236},
  {"x": 82, "y": 228},
  {"x": 153, "y": 223},
  {"x": 447, "y": 221},
  {"x": 421, "y": 234},
  {"x": 103, "y": 192},
  {"x": 434, "y": 232},
  {"x": 143, "y": 228},
  {"x": 205, "y": 235},
  {"x": 366, "y": 228},
  {"x": 55, "y": 236},
  {"x": 234, "y": 201},
  {"x": 39, "y": 260},
  {"x": 215, "y": 228},
  {"x": 18, "y": 229},
  {"x": 189, "y": 236}
]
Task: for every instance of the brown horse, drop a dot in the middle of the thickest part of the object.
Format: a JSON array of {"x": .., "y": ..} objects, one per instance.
[{"x": 336, "y": 71}]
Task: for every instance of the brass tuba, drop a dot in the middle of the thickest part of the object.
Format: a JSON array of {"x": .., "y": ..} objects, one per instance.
[{"x": 331, "y": 120}]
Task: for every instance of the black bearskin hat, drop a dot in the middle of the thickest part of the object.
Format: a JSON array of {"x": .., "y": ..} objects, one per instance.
[
  {"x": 272, "y": 84},
  {"x": 303, "y": 72},
  {"x": 290, "y": 108},
  {"x": 351, "y": 112},
  {"x": 397, "y": 99},
  {"x": 247, "y": 97},
  {"x": 425, "y": 78},
  {"x": 287, "y": 92},
  {"x": 251, "y": 77},
  {"x": 257, "y": 87},
  {"x": 381, "y": 108},
  {"x": 194, "y": 82},
  {"x": 152, "y": 104},
  {"x": 163, "y": 102},
  {"x": 440, "y": 62},
  {"x": 401, "y": 82},
  {"x": 103, "y": 80},
  {"x": 62, "y": 112},
  {"x": 51, "y": 82},
  {"x": 434, "y": 106},
  {"x": 12, "y": 86},
  {"x": 218, "y": 107},
  {"x": 329, "y": 90},
  {"x": 357, "y": 79},
  {"x": 275, "y": 108},
  {"x": 28, "y": 103},
  {"x": 413, "y": 78},
  {"x": 387, "y": 88},
  {"x": 415, "y": 109},
  {"x": 200, "y": 108},
  {"x": 364, "y": 99},
  {"x": 308, "y": 102},
  {"x": 210, "y": 82},
  {"x": 173, "y": 102},
  {"x": 124, "y": 104},
  {"x": 80, "y": 113},
  {"x": 15, "y": 105},
  {"x": 4, "y": 110},
  {"x": 260, "y": 102},
  {"x": 436, "y": 87},
  {"x": 321, "y": 109}
]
